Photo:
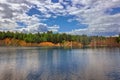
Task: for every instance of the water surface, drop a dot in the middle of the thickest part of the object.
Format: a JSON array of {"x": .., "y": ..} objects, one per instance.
[{"x": 37, "y": 63}]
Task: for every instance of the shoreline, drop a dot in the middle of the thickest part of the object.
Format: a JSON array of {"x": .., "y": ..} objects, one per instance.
[{"x": 10, "y": 42}]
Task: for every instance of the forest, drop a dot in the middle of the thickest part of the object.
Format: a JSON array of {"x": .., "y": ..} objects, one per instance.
[{"x": 53, "y": 37}]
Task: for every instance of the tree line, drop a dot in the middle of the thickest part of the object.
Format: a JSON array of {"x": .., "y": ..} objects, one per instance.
[
  {"x": 118, "y": 39},
  {"x": 50, "y": 37}
]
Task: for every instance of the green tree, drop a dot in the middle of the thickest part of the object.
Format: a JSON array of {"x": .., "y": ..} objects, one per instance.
[{"x": 118, "y": 39}]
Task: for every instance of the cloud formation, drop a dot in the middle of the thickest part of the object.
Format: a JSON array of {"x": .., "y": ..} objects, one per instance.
[{"x": 89, "y": 12}]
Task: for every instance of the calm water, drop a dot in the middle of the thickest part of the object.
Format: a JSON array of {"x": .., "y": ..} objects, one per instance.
[{"x": 34, "y": 63}]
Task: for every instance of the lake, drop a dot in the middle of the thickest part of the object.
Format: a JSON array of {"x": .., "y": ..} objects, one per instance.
[{"x": 38, "y": 63}]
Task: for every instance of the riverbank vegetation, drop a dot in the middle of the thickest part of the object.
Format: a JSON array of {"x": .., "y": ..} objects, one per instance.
[{"x": 55, "y": 39}]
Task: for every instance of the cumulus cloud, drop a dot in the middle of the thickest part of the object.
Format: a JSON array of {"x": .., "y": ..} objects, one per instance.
[
  {"x": 12, "y": 11},
  {"x": 88, "y": 12},
  {"x": 40, "y": 27},
  {"x": 54, "y": 28},
  {"x": 94, "y": 15}
]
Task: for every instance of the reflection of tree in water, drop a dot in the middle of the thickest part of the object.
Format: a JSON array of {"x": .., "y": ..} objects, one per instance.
[
  {"x": 10, "y": 74},
  {"x": 59, "y": 64},
  {"x": 114, "y": 75},
  {"x": 7, "y": 75},
  {"x": 55, "y": 65}
]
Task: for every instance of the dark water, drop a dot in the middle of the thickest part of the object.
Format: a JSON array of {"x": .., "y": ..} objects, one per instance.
[{"x": 34, "y": 63}]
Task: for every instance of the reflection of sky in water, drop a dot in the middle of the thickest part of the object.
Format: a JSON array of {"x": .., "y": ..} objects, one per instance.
[{"x": 59, "y": 64}]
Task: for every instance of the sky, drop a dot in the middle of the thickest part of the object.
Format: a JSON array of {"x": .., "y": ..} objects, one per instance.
[{"x": 89, "y": 17}]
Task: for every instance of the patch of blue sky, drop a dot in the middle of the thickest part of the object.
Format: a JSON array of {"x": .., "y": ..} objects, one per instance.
[
  {"x": 69, "y": 1},
  {"x": 55, "y": 1},
  {"x": 33, "y": 11},
  {"x": 79, "y": 5},
  {"x": 65, "y": 5},
  {"x": 113, "y": 11},
  {"x": 61, "y": 21},
  {"x": 21, "y": 24},
  {"x": 64, "y": 24}
]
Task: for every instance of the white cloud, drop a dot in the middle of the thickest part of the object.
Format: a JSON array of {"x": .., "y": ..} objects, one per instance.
[
  {"x": 12, "y": 11},
  {"x": 54, "y": 28},
  {"x": 1, "y": 8},
  {"x": 97, "y": 20},
  {"x": 89, "y": 12},
  {"x": 40, "y": 27}
]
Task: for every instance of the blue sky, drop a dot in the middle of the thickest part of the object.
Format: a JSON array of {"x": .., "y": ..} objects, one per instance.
[
  {"x": 55, "y": 1},
  {"x": 62, "y": 21},
  {"x": 64, "y": 24},
  {"x": 113, "y": 11},
  {"x": 90, "y": 17}
]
